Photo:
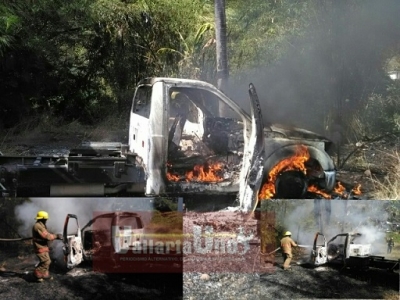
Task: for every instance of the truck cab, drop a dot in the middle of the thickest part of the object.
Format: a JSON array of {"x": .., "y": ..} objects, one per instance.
[
  {"x": 343, "y": 248},
  {"x": 191, "y": 138}
]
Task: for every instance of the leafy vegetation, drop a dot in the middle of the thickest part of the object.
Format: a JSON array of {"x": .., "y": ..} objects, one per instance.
[
  {"x": 389, "y": 188},
  {"x": 80, "y": 59}
]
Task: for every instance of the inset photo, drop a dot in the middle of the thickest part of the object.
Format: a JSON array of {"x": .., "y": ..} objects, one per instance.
[
  {"x": 99, "y": 246},
  {"x": 348, "y": 248}
]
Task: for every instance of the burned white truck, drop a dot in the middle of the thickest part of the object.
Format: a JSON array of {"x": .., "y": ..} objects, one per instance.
[
  {"x": 348, "y": 250},
  {"x": 116, "y": 242},
  {"x": 185, "y": 137}
]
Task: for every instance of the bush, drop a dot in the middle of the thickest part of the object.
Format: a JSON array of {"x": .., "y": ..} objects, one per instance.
[
  {"x": 389, "y": 188},
  {"x": 381, "y": 113}
]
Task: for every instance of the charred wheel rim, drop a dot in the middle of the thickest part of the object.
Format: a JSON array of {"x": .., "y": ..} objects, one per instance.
[{"x": 291, "y": 185}]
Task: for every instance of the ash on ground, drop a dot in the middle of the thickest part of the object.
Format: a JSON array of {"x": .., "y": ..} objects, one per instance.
[
  {"x": 81, "y": 283},
  {"x": 257, "y": 277},
  {"x": 300, "y": 282}
]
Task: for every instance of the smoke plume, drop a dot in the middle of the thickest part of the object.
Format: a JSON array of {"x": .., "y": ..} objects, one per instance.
[
  {"x": 83, "y": 208},
  {"x": 355, "y": 216},
  {"x": 331, "y": 68}
]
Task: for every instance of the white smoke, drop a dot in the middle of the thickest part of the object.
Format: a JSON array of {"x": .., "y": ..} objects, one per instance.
[
  {"x": 84, "y": 208},
  {"x": 297, "y": 223},
  {"x": 354, "y": 216}
]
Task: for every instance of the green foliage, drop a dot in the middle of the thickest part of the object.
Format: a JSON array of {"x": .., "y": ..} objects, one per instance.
[
  {"x": 393, "y": 210},
  {"x": 9, "y": 24},
  {"x": 81, "y": 59},
  {"x": 260, "y": 32},
  {"x": 381, "y": 113},
  {"x": 191, "y": 59}
]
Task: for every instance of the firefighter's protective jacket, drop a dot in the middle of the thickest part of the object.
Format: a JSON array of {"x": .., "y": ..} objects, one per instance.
[
  {"x": 40, "y": 237},
  {"x": 286, "y": 245}
]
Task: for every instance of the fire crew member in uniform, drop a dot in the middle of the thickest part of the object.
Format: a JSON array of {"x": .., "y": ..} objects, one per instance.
[
  {"x": 40, "y": 237},
  {"x": 390, "y": 244},
  {"x": 286, "y": 245}
]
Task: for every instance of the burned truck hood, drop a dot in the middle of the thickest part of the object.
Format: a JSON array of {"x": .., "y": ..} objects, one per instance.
[{"x": 279, "y": 130}]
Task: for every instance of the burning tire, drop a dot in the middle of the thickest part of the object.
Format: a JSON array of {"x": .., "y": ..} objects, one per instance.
[
  {"x": 291, "y": 185},
  {"x": 296, "y": 172}
]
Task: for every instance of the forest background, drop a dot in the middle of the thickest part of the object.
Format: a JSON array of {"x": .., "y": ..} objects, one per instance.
[{"x": 314, "y": 62}]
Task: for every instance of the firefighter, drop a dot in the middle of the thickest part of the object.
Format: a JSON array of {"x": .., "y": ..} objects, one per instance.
[
  {"x": 390, "y": 244},
  {"x": 286, "y": 245},
  {"x": 40, "y": 237}
]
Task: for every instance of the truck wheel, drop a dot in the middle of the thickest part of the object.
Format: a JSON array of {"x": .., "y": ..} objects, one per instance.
[{"x": 291, "y": 185}]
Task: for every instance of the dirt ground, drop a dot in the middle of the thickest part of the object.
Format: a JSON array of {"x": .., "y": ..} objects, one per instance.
[{"x": 17, "y": 282}]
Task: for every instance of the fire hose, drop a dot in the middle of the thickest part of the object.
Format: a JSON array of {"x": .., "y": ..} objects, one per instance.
[
  {"x": 273, "y": 251},
  {"x": 301, "y": 246},
  {"x": 258, "y": 253},
  {"x": 15, "y": 240}
]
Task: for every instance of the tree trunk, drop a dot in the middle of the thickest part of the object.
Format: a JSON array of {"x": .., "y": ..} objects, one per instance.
[{"x": 220, "y": 35}]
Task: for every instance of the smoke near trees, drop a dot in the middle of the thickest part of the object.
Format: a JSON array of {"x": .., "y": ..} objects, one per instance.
[{"x": 318, "y": 60}]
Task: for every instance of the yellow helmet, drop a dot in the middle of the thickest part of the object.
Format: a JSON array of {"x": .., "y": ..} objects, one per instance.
[
  {"x": 287, "y": 233},
  {"x": 42, "y": 215},
  {"x": 174, "y": 95}
]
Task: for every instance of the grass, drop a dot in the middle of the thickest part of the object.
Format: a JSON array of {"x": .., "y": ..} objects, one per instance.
[
  {"x": 391, "y": 295},
  {"x": 395, "y": 236},
  {"x": 389, "y": 188}
]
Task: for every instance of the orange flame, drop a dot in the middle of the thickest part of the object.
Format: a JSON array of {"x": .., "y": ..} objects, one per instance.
[
  {"x": 339, "y": 189},
  {"x": 295, "y": 162},
  {"x": 316, "y": 190},
  {"x": 204, "y": 173},
  {"x": 172, "y": 177},
  {"x": 357, "y": 190}
]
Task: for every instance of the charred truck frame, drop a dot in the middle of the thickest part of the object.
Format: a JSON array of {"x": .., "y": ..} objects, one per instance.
[
  {"x": 346, "y": 249},
  {"x": 185, "y": 137},
  {"x": 114, "y": 241}
]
